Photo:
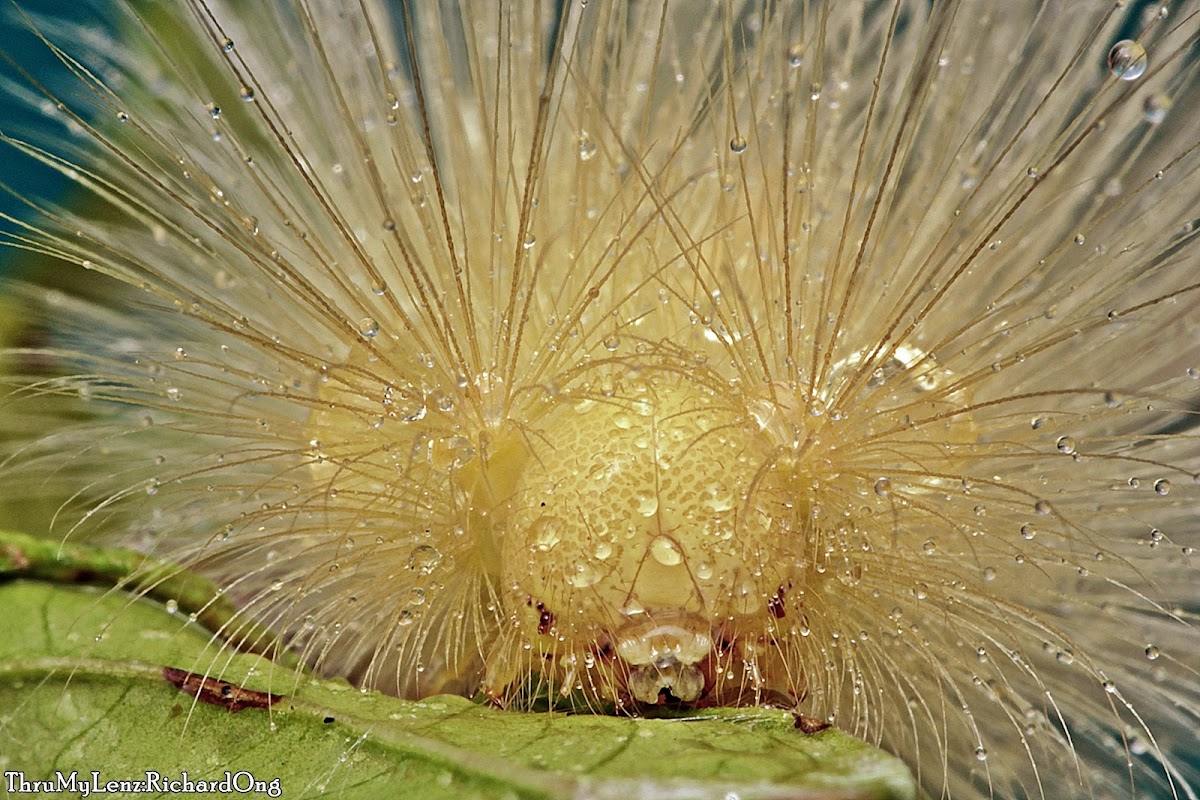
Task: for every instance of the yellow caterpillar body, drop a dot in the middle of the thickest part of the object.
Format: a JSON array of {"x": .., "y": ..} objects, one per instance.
[{"x": 834, "y": 355}]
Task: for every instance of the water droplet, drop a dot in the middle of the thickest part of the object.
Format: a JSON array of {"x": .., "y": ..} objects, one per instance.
[
  {"x": 1127, "y": 60},
  {"x": 368, "y": 327},
  {"x": 172, "y": 606},
  {"x": 583, "y": 576},
  {"x": 530, "y": 241},
  {"x": 547, "y": 532},
  {"x": 883, "y": 487},
  {"x": 1028, "y": 531},
  {"x": 1079, "y": 238},
  {"x": 647, "y": 503},
  {"x": 612, "y": 342},
  {"x": 602, "y": 550},
  {"x": 227, "y": 44},
  {"x": 1065, "y": 444},
  {"x": 587, "y": 148},
  {"x": 214, "y": 110},
  {"x": 1156, "y": 107},
  {"x": 738, "y": 145},
  {"x": 981, "y": 753},
  {"x": 795, "y": 55},
  {"x": 665, "y": 551},
  {"x": 424, "y": 559},
  {"x": 247, "y": 94},
  {"x": 1152, "y": 652},
  {"x": 1162, "y": 486}
]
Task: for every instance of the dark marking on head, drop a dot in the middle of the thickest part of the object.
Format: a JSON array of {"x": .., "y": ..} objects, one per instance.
[
  {"x": 775, "y": 604},
  {"x": 545, "y": 618}
]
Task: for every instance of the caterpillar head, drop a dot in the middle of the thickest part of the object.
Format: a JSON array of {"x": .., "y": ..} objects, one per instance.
[
  {"x": 653, "y": 532},
  {"x": 661, "y": 538}
]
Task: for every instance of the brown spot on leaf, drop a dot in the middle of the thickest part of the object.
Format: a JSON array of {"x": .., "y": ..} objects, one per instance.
[
  {"x": 218, "y": 693},
  {"x": 16, "y": 558},
  {"x": 810, "y": 725}
]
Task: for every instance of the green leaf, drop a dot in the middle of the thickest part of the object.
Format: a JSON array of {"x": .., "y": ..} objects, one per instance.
[{"x": 82, "y": 687}]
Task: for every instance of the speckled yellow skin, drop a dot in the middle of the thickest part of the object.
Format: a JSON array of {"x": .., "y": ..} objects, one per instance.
[{"x": 654, "y": 524}]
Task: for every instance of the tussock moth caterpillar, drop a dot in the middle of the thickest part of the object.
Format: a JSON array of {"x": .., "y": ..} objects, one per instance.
[{"x": 839, "y": 355}]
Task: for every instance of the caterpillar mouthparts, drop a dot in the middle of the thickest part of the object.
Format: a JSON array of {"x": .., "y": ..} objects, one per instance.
[{"x": 841, "y": 356}]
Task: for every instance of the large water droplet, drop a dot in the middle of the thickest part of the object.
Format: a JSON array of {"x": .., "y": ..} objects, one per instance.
[
  {"x": 424, "y": 559},
  {"x": 665, "y": 551},
  {"x": 547, "y": 532},
  {"x": 1127, "y": 60}
]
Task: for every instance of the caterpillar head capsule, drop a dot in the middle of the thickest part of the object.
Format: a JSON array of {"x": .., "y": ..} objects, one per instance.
[
  {"x": 652, "y": 531},
  {"x": 662, "y": 532}
]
